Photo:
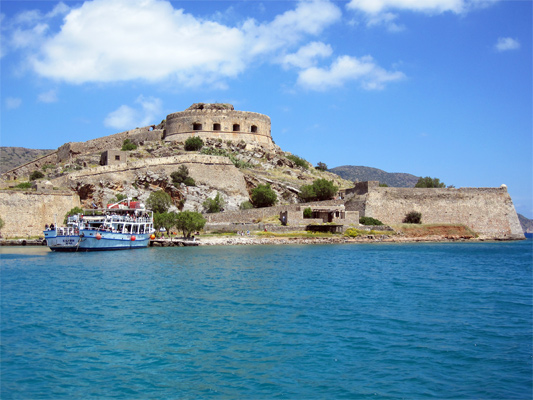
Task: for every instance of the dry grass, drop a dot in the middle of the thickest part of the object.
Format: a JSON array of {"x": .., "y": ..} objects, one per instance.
[{"x": 446, "y": 230}]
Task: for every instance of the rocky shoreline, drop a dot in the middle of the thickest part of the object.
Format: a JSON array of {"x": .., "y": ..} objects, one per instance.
[{"x": 257, "y": 240}]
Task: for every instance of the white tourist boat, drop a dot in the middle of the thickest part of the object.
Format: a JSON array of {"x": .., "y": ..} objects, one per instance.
[{"x": 122, "y": 226}]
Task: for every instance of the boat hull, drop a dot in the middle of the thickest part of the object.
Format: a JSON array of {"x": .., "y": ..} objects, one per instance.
[{"x": 90, "y": 240}]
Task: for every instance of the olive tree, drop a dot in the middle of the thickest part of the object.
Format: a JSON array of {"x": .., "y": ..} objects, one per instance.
[{"x": 189, "y": 222}]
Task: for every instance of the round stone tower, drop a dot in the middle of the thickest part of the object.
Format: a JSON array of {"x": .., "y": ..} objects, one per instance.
[{"x": 218, "y": 121}]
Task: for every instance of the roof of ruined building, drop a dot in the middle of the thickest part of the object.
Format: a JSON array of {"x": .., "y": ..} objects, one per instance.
[{"x": 211, "y": 106}]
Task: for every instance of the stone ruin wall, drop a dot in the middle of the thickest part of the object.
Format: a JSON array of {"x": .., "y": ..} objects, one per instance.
[
  {"x": 254, "y": 214},
  {"x": 26, "y": 169},
  {"x": 72, "y": 149},
  {"x": 181, "y": 125},
  {"x": 488, "y": 211},
  {"x": 137, "y": 136},
  {"x": 26, "y": 213}
]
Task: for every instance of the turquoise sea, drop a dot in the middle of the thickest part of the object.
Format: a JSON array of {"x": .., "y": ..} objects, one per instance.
[{"x": 395, "y": 321}]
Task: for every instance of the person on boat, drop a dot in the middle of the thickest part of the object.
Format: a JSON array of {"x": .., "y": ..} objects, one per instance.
[
  {"x": 46, "y": 227},
  {"x": 52, "y": 227}
]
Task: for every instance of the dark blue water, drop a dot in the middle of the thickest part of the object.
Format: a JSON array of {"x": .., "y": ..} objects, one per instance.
[{"x": 412, "y": 321}]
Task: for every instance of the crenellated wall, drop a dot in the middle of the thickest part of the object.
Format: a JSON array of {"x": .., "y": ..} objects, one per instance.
[{"x": 488, "y": 211}]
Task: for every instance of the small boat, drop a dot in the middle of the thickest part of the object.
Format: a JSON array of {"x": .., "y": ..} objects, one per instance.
[{"x": 121, "y": 226}]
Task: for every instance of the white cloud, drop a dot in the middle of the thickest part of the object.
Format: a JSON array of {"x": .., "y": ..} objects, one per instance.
[
  {"x": 308, "y": 18},
  {"x": 427, "y": 6},
  {"x": 121, "y": 40},
  {"x": 387, "y": 19},
  {"x": 125, "y": 117},
  {"x": 345, "y": 69},
  {"x": 505, "y": 44},
  {"x": 13, "y": 102},
  {"x": 306, "y": 56},
  {"x": 378, "y": 11},
  {"x": 48, "y": 97}
]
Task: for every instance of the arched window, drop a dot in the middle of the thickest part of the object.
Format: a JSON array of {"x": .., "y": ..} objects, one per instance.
[
  {"x": 236, "y": 127},
  {"x": 197, "y": 127},
  {"x": 216, "y": 127},
  {"x": 253, "y": 129}
]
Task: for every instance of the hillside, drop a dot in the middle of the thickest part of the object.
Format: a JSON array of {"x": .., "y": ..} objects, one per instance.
[
  {"x": 11, "y": 157},
  {"x": 361, "y": 174},
  {"x": 527, "y": 224}
]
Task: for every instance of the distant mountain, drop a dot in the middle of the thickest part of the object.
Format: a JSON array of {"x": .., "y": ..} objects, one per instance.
[
  {"x": 527, "y": 224},
  {"x": 361, "y": 174},
  {"x": 11, "y": 157}
]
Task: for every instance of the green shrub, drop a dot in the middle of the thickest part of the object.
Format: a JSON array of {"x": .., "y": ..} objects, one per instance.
[
  {"x": 321, "y": 166},
  {"x": 24, "y": 185},
  {"x": 214, "y": 205},
  {"x": 178, "y": 177},
  {"x": 263, "y": 196},
  {"x": 413, "y": 217},
  {"x": 352, "y": 232},
  {"x": 428, "y": 182},
  {"x": 48, "y": 166},
  {"x": 36, "y": 175},
  {"x": 1, "y": 223},
  {"x": 189, "y": 181},
  {"x": 383, "y": 185},
  {"x": 300, "y": 162},
  {"x": 369, "y": 221},
  {"x": 246, "y": 205},
  {"x": 128, "y": 145},
  {"x": 308, "y": 213},
  {"x": 194, "y": 143}
]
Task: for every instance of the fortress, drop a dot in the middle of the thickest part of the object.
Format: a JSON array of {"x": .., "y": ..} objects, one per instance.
[
  {"x": 488, "y": 211},
  {"x": 219, "y": 121},
  {"x": 205, "y": 120}
]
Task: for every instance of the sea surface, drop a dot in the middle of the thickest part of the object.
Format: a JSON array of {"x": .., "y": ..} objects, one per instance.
[{"x": 358, "y": 321}]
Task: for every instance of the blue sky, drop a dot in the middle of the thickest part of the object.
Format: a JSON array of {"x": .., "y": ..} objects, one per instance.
[{"x": 439, "y": 88}]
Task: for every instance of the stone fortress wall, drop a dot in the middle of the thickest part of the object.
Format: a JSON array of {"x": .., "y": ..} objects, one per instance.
[
  {"x": 219, "y": 121},
  {"x": 26, "y": 213},
  {"x": 70, "y": 150},
  {"x": 487, "y": 211}
]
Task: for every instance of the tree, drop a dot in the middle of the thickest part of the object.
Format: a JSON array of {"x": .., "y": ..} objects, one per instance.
[
  {"x": 159, "y": 202},
  {"x": 321, "y": 166},
  {"x": 194, "y": 143},
  {"x": 263, "y": 196},
  {"x": 307, "y": 193},
  {"x": 324, "y": 189},
  {"x": 165, "y": 220},
  {"x": 189, "y": 222},
  {"x": 128, "y": 145},
  {"x": 36, "y": 175},
  {"x": 214, "y": 205},
  {"x": 321, "y": 189},
  {"x": 429, "y": 182},
  {"x": 73, "y": 211},
  {"x": 413, "y": 217},
  {"x": 308, "y": 212}
]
